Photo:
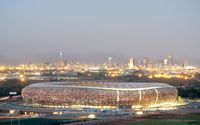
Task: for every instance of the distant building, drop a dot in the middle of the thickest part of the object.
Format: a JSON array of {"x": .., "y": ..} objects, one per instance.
[
  {"x": 165, "y": 62},
  {"x": 131, "y": 63},
  {"x": 145, "y": 62},
  {"x": 61, "y": 57},
  {"x": 109, "y": 60},
  {"x": 140, "y": 62},
  {"x": 170, "y": 60}
]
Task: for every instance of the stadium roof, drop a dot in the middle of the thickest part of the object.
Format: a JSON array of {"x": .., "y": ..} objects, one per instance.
[{"x": 102, "y": 85}]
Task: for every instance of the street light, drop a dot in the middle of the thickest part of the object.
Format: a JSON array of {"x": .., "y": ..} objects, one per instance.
[{"x": 12, "y": 111}]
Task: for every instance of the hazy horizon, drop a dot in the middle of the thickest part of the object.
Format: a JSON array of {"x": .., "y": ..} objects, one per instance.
[{"x": 90, "y": 31}]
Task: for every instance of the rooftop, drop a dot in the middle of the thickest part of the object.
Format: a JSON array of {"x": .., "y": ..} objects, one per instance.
[{"x": 102, "y": 85}]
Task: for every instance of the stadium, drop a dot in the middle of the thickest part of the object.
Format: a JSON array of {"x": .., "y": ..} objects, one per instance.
[{"x": 100, "y": 94}]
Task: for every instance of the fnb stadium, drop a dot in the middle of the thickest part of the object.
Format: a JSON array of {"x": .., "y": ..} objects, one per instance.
[{"x": 100, "y": 94}]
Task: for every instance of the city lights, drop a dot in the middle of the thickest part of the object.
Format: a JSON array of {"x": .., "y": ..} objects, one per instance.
[{"x": 141, "y": 69}]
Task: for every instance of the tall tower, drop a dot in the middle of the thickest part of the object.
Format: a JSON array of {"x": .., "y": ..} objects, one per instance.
[
  {"x": 130, "y": 64},
  {"x": 61, "y": 56}
]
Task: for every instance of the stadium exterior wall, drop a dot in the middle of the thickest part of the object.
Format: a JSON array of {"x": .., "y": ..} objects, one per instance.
[{"x": 100, "y": 94}]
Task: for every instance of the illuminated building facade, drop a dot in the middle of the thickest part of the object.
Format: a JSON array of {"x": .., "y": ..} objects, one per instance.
[
  {"x": 131, "y": 63},
  {"x": 100, "y": 95}
]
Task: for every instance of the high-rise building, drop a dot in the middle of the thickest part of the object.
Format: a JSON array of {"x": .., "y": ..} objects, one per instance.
[
  {"x": 140, "y": 62},
  {"x": 131, "y": 63},
  {"x": 61, "y": 57},
  {"x": 165, "y": 61},
  {"x": 145, "y": 61},
  {"x": 170, "y": 60},
  {"x": 110, "y": 60},
  {"x": 60, "y": 54}
]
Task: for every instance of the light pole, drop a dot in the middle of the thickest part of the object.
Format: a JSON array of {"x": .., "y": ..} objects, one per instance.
[{"x": 11, "y": 94}]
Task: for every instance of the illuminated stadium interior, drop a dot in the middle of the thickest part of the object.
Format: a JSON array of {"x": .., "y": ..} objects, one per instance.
[{"x": 100, "y": 94}]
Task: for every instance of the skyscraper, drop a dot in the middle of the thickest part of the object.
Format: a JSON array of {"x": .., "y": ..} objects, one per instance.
[
  {"x": 145, "y": 62},
  {"x": 170, "y": 60},
  {"x": 165, "y": 61},
  {"x": 61, "y": 57},
  {"x": 131, "y": 63},
  {"x": 109, "y": 60}
]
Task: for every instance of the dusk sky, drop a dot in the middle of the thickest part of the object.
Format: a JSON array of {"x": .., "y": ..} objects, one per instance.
[{"x": 91, "y": 30}]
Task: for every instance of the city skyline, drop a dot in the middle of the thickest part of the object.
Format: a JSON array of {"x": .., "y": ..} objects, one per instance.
[
  {"x": 167, "y": 60},
  {"x": 91, "y": 31}
]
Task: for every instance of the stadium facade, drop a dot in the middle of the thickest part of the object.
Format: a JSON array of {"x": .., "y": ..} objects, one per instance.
[{"x": 100, "y": 94}]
